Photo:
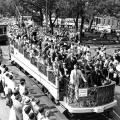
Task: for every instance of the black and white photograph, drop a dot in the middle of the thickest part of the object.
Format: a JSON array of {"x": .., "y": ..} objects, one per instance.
[{"x": 59, "y": 59}]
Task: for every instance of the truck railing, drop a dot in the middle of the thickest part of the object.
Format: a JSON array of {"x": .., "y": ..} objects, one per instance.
[
  {"x": 90, "y": 97},
  {"x": 87, "y": 97},
  {"x": 41, "y": 67}
]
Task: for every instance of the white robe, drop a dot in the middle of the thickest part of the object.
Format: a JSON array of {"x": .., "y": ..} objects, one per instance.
[{"x": 12, "y": 114}]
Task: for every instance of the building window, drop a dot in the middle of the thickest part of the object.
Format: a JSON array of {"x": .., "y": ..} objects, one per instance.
[
  {"x": 108, "y": 21},
  {"x": 104, "y": 21},
  {"x": 5, "y": 30},
  {"x": 112, "y": 22}
]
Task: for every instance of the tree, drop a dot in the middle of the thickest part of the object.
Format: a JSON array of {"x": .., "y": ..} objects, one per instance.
[
  {"x": 76, "y": 9},
  {"x": 38, "y": 8},
  {"x": 92, "y": 10},
  {"x": 33, "y": 8},
  {"x": 102, "y": 7},
  {"x": 6, "y": 8},
  {"x": 53, "y": 12}
]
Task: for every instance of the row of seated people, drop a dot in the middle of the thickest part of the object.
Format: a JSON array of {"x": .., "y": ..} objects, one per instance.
[{"x": 22, "y": 105}]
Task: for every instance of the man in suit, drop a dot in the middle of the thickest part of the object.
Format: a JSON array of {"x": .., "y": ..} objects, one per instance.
[
  {"x": 88, "y": 70},
  {"x": 97, "y": 77},
  {"x": 70, "y": 62},
  {"x": 77, "y": 79},
  {"x": 63, "y": 71}
]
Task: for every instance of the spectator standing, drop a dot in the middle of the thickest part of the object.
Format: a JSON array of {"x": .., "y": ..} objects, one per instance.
[
  {"x": 97, "y": 76},
  {"x": 17, "y": 105},
  {"x": 40, "y": 114},
  {"x": 22, "y": 86}
]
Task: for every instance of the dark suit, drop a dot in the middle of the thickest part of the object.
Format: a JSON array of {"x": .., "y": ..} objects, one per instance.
[
  {"x": 97, "y": 77},
  {"x": 64, "y": 78},
  {"x": 88, "y": 68},
  {"x": 88, "y": 71},
  {"x": 70, "y": 63},
  {"x": 61, "y": 56}
]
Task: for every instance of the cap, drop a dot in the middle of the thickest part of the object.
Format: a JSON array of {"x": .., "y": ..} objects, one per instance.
[
  {"x": 4, "y": 66},
  {"x": 27, "y": 101},
  {"x": 26, "y": 92},
  {"x": 31, "y": 116},
  {"x": 16, "y": 92},
  {"x": 17, "y": 96},
  {"x": 6, "y": 69},
  {"x": 22, "y": 80},
  {"x": 41, "y": 109},
  {"x": 37, "y": 101},
  {"x": 10, "y": 77},
  {"x": 27, "y": 109}
]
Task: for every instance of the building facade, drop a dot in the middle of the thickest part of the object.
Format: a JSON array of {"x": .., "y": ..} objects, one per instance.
[{"x": 112, "y": 22}]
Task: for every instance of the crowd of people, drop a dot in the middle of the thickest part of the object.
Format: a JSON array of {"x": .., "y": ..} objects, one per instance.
[
  {"x": 69, "y": 60},
  {"x": 22, "y": 105}
]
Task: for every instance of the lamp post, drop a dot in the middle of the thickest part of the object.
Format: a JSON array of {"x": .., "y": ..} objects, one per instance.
[{"x": 46, "y": 15}]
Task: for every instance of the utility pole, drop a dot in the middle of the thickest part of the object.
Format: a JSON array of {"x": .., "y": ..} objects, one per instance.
[{"x": 46, "y": 14}]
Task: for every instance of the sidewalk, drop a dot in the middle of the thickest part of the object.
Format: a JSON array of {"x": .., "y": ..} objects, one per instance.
[{"x": 4, "y": 110}]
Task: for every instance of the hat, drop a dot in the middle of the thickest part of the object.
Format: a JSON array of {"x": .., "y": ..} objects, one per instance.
[
  {"x": 7, "y": 74},
  {"x": 37, "y": 101},
  {"x": 10, "y": 77},
  {"x": 26, "y": 92},
  {"x": 27, "y": 109},
  {"x": 27, "y": 101},
  {"x": 16, "y": 92},
  {"x": 31, "y": 116},
  {"x": 22, "y": 79},
  {"x": 17, "y": 97},
  {"x": 4, "y": 66},
  {"x": 47, "y": 113},
  {"x": 41, "y": 109},
  {"x": 6, "y": 69}
]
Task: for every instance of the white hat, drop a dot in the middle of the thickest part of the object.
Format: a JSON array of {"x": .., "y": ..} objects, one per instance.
[{"x": 27, "y": 101}]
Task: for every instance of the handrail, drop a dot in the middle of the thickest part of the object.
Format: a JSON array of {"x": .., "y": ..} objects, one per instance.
[
  {"x": 41, "y": 67},
  {"x": 51, "y": 76},
  {"x": 92, "y": 97}
]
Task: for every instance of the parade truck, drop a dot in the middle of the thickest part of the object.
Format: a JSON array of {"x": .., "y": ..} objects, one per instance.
[{"x": 90, "y": 100}]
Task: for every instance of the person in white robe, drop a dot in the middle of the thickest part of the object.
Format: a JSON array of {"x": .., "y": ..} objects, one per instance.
[
  {"x": 22, "y": 86},
  {"x": 76, "y": 78}
]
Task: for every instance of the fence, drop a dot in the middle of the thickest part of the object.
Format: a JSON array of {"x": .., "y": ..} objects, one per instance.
[
  {"x": 41, "y": 67},
  {"x": 91, "y": 97}
]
